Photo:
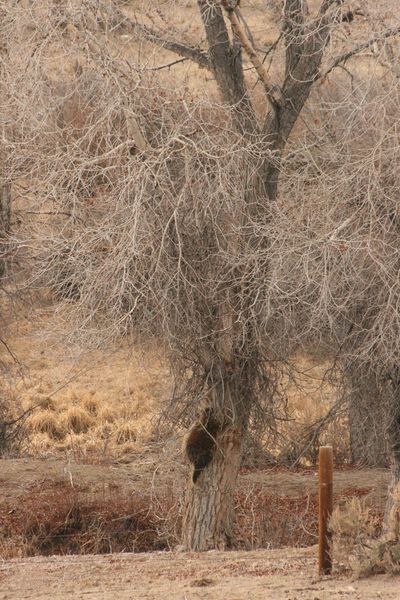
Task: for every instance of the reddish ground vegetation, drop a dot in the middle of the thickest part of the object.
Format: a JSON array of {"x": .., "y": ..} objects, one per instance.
[
  {"x": 60, "y": 519},
  {"x": 269, "y": 521},
  {"x": 57, "y": 518}
]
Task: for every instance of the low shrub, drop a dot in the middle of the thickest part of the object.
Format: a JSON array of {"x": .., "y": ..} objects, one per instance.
[
  {"x": 357, "y": 545},
  {"x": 58, "y": 518},
  {"x": 61, "y": 519}
]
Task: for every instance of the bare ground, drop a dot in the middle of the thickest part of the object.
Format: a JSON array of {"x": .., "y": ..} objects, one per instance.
[
  {"x": 269, "y": 575},
  {"x": 19, "y": 475}
]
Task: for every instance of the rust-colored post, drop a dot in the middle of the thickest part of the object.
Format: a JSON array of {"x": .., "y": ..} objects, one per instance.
[{"x": 325, "y": 508}]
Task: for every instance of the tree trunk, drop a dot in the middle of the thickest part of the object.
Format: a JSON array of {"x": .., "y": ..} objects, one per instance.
[
  {"x": 5, "y": 222},
  {"x": 208, "y": 518},
  {"x": 391, "y": 523},
  {"x": 367, "y": 420},
  {"x": 214, "y": 444},
  {"x": 391, "y": 528},
  {"x": 367, "y": 439}
]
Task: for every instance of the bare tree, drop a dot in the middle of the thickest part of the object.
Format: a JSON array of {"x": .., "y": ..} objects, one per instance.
[
  {"x": 340, "y": 241},
  {"x": 157, "y": 210},
  {"x": 237, "y": 350}
]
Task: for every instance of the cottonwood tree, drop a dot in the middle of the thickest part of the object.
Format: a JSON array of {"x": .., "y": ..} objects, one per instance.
[
  {"x": 163, "y": 203},
  {"x": 304, "y": 38},
  {"x": 340, "y": 243}
]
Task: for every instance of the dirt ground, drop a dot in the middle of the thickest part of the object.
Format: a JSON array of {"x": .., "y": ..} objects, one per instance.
[{"x": 288, "y": 574}]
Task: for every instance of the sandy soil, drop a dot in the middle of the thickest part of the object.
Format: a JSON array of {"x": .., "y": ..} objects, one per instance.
[{"x": 269, "y": 575}]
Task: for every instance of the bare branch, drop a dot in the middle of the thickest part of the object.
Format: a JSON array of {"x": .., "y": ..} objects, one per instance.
[
  {"x": 167, "y": 65},
  {"x": 189, "y": 52},
  {"x": 339, "y": 60}
]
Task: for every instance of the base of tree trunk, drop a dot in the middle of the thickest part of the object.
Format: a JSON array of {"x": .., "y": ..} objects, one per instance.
[
  {"x": 367, "y": 422},
  {"x": 391, "y": 526},
  {"x": 391, "y": 522},
  {"x": 208, "y": 514},
  {"x": 5, "y": 220}
]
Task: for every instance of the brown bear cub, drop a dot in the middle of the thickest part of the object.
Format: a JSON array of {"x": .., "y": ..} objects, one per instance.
[{"x": 200, "y": 442}]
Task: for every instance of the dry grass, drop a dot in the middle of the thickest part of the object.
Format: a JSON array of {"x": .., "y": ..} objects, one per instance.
[
  {"x": 46, "y": 422},
  {"x": 105, "y": 400},
  {"x": 357, "y": 543},
  {"x": 117, "y": 415},
  {"x": 77, "y": 420},
  {"x": 110, "y": 404}
]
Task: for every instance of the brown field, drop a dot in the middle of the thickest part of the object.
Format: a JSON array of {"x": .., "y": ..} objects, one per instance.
[{"x": 104, "y": 405}]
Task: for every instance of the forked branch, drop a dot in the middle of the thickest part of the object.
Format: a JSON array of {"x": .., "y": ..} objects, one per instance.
[
  {"x": 342, "y": 58},
  {"x": 272, "y": 91}
]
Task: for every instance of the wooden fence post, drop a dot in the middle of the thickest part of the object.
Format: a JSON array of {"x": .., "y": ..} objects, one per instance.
[{"x": 325, "y": 508}]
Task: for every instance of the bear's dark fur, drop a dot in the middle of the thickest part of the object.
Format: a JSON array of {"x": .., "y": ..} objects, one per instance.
[{"x": 200, "y": 443}]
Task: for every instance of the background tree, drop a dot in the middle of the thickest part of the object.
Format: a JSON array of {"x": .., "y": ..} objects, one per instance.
[
  {"x": 340, "y": 241},
  {"x": 367, "y": 417}
]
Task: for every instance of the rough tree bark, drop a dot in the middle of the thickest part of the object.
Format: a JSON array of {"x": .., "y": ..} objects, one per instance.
[
  {"x": 366, "y": 420},
  {"x": 5, "y": 222},
  {"x": 208, "y": 514},
  {"x": 214, "y": 447},
  {"x": 392, "y": 510}
]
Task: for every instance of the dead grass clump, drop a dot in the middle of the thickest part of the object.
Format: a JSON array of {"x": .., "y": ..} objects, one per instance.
[
  {"x": 107, "y": 415},
  {"x": 77, "y": 420},
  {"x": 59, "y": 519},
  {"x": 128, "y": 449},
  {"x": 45, "y": 421},
  {"x": 41, "y": 444},
  {"x": 383, "y": 556},
  {"x": 125, "y": 432},
  {"x": 355, "y": 528},
  {"x": 91, "y": 404}
]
